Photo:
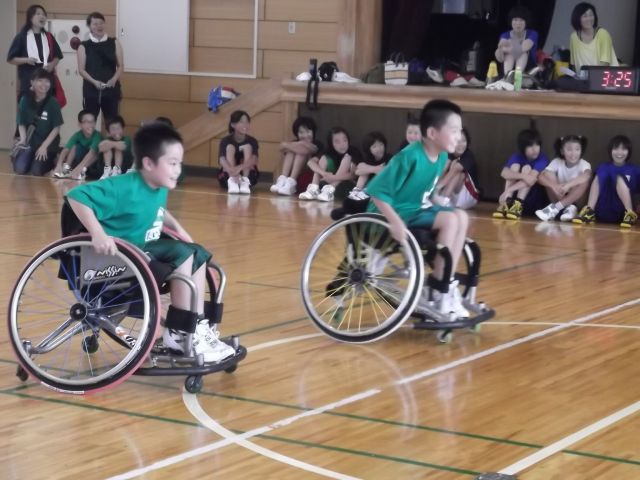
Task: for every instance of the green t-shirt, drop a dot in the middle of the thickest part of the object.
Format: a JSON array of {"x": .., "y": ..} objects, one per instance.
[
  {"x": 407, "y": 182},
  {"x": 126, "y": 206},
  {"x": 50, "y": 118},
  {"x": 90, "y": 143}
]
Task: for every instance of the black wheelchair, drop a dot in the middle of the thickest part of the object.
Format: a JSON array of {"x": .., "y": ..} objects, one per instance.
[
  {"x": 81, "y": 322},
  {"x": 359, "y": 284}
]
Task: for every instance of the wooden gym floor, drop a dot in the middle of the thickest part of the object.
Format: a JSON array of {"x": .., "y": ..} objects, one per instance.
[{"x": 547, "y": 390}]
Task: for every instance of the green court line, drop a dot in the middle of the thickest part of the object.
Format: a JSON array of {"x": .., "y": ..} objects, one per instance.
[
  {"x": 529, "y": 264},
  {"x": 269, "y": 327},
  {"x": 10, "y": 254},
  {"x": 256, "y": 284}
]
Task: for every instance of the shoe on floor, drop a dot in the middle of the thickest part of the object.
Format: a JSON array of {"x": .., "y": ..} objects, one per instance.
[
  {"x": 206, "y": 341},
  {"x": 569, "y": 213},
  {"x": 278, "y": 185},
  {"x": 233, "y": 186}
]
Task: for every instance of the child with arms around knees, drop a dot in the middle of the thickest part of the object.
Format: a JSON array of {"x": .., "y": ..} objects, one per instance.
[
  {"x": 332, "y": 168},
  {"x": 296, "y": 154},
  {"x": 521, "y": 174},
  {"x": 115, "y": 149},
  {"x": 81, "y": 150},
  {"x": 566, "y": 179},
  {"x": 518, "y": 47},
  {"x": 374, "y": 159},
  {"x": 134, "y": 207},
  {"x": 459, "y": 183},
  {"x": 611, "y": 190},
  {"x": 401, "y": 192},
  {"x": 238, "y": 156},
  {"x": 412, "y": 131}
]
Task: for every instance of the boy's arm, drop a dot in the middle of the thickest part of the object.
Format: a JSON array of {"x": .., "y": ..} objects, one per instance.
[
  {"x": 171, "y": 222},
  {"x": 397, "y": 226},
  {"x": 102, "y": 243}
]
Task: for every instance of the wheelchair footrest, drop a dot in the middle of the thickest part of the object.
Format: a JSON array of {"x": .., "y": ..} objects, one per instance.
[
  {"x": 466, "y": 323},
  {"x": 193, "y": 369}
]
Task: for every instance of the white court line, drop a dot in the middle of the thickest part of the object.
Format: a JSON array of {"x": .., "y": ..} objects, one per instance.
[
  {"x": 275, "y": 343},
  {"x": 590, "y": 325},
  {"x": 514, "y": 343},
  {"x": 191, "y": 402},
  {"x": 570, "y": 440}
]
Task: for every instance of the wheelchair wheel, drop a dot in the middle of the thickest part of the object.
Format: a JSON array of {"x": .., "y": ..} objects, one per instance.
[
  {"x": 81, "y": 322},
  {"x": 358, "y": 284}
]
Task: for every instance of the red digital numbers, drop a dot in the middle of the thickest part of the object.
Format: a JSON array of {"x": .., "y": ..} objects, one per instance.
[{"x": 618, "y": 79}]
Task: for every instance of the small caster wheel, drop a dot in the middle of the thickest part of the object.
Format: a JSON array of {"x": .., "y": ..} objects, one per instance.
[
  {"x": 22, "y": 374},
  {"x": 90, "y": 344},
  {"x": 193, "y": 383},
  {"x": 231, "y": 369},
  {"x": 476, "y": 328},
  {"x": 445, "y": 336}
]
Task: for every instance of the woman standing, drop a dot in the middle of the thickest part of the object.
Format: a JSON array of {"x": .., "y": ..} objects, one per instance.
[
  {"x": 100, "y": 64},
  {"x": 32, "y": 48},
  {"x": 39, "y": 121}
]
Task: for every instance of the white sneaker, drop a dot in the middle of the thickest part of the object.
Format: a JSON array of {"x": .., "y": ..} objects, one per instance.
[
  {"x": 233, "y": 185},
  {"x": 275, "y": 188},
  {"x": 173, "y": 340},
  {"x": 474, "y": 82},
  {"x": 456, "y": 301},
  {"x": 245, "y": 185},
  {"x": 65, "y": 173},
  {"x": 289, "y": 187},
  {"x": 435, "y": 75},
  {"x": 548, "y": 213},
  {"x": 115, "y": 171},
  {"x": 326, "y": 194},
  {"x": 459, "y": 82},
  {"x": 81, "y": 177},
  {"x": 358, "y": 194},
  {"x": 441, "y": 300},
  {"x": 569, "y": 213},
  {"x": 311, "y": 193},
  {"x": 106, "y": 173},
  {"x": 206, "y": 341}
]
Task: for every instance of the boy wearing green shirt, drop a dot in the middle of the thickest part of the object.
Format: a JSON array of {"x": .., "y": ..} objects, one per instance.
[
  {"x": 402, "y": 192},
  {"x": 81, "y": 150},
  {"x": 133, "y": 207}
]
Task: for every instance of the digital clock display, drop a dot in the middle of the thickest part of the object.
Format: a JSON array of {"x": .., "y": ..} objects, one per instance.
[{"x": 621, "y": 80}]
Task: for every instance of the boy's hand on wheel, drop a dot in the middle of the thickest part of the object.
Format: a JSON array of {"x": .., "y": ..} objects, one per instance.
[{"x": 104, "y": 244}]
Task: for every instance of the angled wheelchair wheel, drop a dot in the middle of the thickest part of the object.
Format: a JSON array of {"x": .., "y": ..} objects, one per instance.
[
  {"x": 81, "y": 322},
  {"x": 358, "y": 284}
]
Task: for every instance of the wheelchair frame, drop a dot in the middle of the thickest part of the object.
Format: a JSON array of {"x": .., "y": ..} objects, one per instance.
[
  {"x": 89, "y": 317},
  {"x": 398, "y": 281}
]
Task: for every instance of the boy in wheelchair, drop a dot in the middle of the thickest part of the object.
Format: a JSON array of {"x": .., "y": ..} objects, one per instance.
[
  {"x": 402, "y": 192},
  {"x": 133, "y": 207}
]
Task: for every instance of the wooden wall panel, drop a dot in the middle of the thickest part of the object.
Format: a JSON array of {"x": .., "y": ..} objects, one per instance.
[
  {"x": 223, "y": 33},
  {"x": 308, "y": 36},
  {"x": 135, "y": 111},
  {"x": 221, "y": 60},
  {"x": 303, "y": 10},
  {"x": 288, "y": 64},
  {"x": 198, "y": 156},
  {"x": 159, "y": 87},
  {"x": 267, "y": 127},
  {"x": 83, "y": 7},
  {"x": 229, "y": 9}
]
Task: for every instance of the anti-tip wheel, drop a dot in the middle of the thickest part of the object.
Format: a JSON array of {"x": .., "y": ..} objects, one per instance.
[
  {"x": 22, "y": 374},
  {"x": 193, "y": 383},
  {"x": 231, "y": 369},
  {"x": 445, "y": 336}
]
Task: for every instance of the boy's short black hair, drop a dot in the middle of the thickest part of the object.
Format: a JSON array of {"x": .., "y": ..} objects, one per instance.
[
  {"x": 620, "y": 140},
  {"x": 306, "y": 122},
  {"x": 519, "y": 11},
  {"x": 84, "y": 112},
  {"x": 236, "y": 116},
  {"x": 436, "y": 113},
  {"x": 151, "y": 141},
  {"x": 579, "y": 10},
  {"x": 93, "y": 15},
  {"x": 371, "y": 138},
  {"x": 412, "y": 120},
  {"x": 115, "y": 119},
  {"x": 562, "y": 141},
  {"x": 527, "y": 138},
  {"x": 165, "y": 120}
]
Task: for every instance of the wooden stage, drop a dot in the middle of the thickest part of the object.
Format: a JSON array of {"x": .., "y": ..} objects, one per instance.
[{"x": 547, "y": 390}]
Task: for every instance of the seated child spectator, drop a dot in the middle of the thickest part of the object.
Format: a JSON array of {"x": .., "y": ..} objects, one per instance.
[
  {"x": 374, "y": 159},
  {"x": 238, "y": 156},
  {"x": 39, "y": 120},
  {"x": 521, "y": 174},
  {"x": 296, "y": 154},
  {"x": 134, "y": 207},
  {"x": 115, "y": 149},
  {"x": 81, "y": 150},
  {"x": 412, "y": 132},
  {"x": 614, "y": 183},
  {"x": 566, "y": 179},
  {"x": 333, "y": 167},
  {"x": 401, "y": 192},
  {"x": 518, "y": 47},
  {"x": 460, "y": 180}
]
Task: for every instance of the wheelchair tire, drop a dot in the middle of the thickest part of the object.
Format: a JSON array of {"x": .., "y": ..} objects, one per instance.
[
  {"x": 351, "y": 269},
  {"x": 58, "y": 304}
]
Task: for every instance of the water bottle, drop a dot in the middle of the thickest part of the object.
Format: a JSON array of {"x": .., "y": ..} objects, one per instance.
[
  {"x": 492, "y": 73},
  {"x": 517, "y": 79}
]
